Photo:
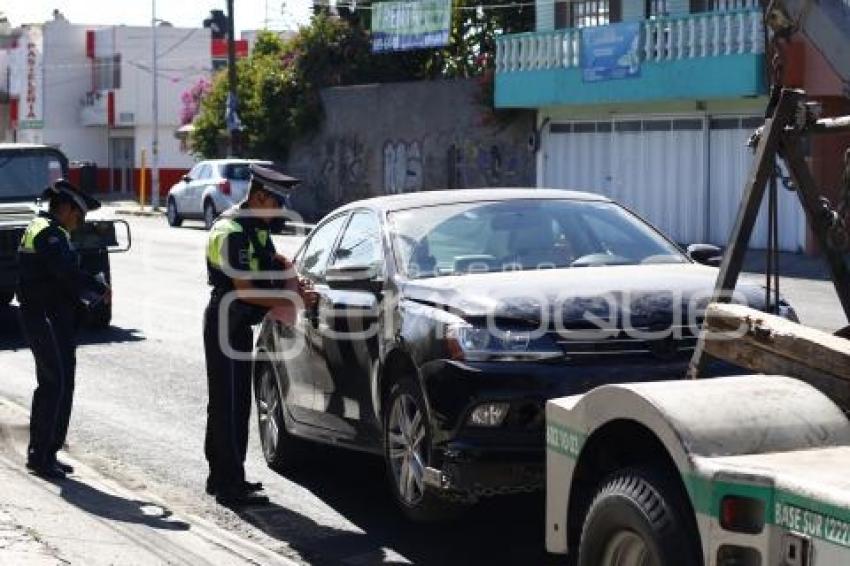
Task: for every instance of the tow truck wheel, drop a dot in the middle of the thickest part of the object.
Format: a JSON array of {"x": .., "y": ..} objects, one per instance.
[
  {"x": 407, "y": 448},
  {"x": 635, "y": 520}
]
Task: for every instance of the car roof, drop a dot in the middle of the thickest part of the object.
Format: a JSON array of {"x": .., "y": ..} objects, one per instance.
[
  {"x": 24, "y": 146},
  {"x": 391, "y": 203},
  {"x": 233, "y": 160}
]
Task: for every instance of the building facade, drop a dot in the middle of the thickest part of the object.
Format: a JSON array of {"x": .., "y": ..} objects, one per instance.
[
  {"x": 650, "y": 102},
  {"x": 87, "y": 90}
]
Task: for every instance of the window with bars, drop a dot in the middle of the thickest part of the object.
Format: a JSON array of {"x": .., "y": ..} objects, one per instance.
[
  {"x": 698, "y": 6},
  {"x": 656, "y": 9},
  {"x": 586, "y": 13},
  {"x": 107, "y": 73}
]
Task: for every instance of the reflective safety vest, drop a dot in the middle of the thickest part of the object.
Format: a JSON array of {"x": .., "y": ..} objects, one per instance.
[
  {"x": 36, "y": 227},
  {"x": 216, "y": 260}
]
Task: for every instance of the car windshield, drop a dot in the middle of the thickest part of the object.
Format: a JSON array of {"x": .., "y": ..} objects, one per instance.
[
  {"x": 25, "y": 174},
  {"x": 517, "y": 235}
]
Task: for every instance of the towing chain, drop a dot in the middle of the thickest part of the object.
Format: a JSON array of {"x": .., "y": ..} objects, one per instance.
[{"x": 837, "y": 237}]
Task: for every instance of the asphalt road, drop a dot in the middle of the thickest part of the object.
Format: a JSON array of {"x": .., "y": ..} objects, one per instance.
[{"x": 140, "y": 411}]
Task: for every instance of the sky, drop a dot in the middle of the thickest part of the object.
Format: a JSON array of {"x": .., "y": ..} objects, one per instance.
[{"x": 250, "y": 14}]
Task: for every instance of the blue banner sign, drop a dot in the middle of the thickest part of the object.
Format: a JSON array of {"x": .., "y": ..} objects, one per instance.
[{"x": 610, "y": 52}]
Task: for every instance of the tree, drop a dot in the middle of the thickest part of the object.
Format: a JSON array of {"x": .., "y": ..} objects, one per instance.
[{"x": 279, "y": 83}]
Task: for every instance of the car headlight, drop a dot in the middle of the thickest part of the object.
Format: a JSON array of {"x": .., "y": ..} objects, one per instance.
[{"x": 477, "y": 344}]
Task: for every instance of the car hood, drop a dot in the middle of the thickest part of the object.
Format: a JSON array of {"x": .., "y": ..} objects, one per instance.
[{"x": 646, "y": 293}]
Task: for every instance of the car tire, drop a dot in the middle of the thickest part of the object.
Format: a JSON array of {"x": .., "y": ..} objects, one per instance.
[
  {"x": 637, "y": 518},
  {"x": 407, "y": 450},
  {"x": 172, "y": 215},
  {"x": 6, "y": 297},
  {"x": 209, "y": 214},
  {"x": 100, "y": 318},
  {"x": 282, "y": 450}
]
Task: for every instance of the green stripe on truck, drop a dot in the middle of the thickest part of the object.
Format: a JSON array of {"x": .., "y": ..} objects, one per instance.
[{"x": 783, "y": 508}]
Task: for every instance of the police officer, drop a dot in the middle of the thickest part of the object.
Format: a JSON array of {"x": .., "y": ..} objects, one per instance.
[
  {"x": 239, "y": 250},
  {"x": 51, "y": 290}
]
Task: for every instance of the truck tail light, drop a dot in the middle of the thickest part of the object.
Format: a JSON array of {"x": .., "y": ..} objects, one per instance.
[
  {"x": 224, "y": 187},
  {"x": 742, "y": 514}
]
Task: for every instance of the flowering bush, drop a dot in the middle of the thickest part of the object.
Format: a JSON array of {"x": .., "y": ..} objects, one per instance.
[{"x": 191, "y": 100}]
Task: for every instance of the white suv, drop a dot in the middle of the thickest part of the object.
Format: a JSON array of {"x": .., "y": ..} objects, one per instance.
[{"x": 210, "y": 188}]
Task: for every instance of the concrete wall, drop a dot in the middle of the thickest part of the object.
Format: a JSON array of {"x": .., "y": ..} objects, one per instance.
[{"x": 404, "y": 137}]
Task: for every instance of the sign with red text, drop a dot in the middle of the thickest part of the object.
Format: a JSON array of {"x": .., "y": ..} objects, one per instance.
[{"x": 31, "y": 103}]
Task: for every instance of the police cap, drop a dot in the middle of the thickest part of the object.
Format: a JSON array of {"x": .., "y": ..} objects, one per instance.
[
  {"x": 84, "y": 202},
  {"x": 273, "y": 181}
]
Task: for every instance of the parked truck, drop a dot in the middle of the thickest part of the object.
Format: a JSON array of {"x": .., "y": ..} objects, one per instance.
[
  {"x": 749, "y": 470},
  {"x": 26, "y": 170}
]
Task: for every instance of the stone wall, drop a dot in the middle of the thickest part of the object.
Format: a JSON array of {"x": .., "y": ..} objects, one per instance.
[{"x": 404, "y": 137}]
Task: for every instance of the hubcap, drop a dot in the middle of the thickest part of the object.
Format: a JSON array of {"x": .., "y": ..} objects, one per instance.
[
  {"x": 627, "y": 548},
  {"x": 268, "y": 408},
  {"x": 406, "y": 439}
]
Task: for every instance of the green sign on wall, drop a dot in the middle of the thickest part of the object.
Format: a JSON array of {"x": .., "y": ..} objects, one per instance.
[{"x": 400, "y": 26}]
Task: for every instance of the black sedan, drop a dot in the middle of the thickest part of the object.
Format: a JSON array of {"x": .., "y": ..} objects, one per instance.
[{"x": 447, "y": 319}]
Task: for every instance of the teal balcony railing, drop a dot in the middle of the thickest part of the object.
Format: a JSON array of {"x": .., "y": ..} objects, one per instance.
[{"x": 706, "y": 55}]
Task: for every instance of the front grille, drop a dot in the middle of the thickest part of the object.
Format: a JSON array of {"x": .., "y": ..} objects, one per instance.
[{"x": 672, "y": 343}]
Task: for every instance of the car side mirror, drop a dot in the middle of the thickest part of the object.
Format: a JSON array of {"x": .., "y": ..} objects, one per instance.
[
  {"x": 705, "y": 254},
  {"x": 187, "y": 179},
  {"x": 355, "y": 278}
]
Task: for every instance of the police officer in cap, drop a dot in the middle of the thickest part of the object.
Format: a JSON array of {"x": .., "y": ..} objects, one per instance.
[
  {"x": 51, "y": 290},
  {"x": 239, "y": 251}
]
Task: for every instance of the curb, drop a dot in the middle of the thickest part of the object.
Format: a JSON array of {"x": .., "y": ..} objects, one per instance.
[
  {"x": 139, "y": 212},
  {"x": 238, "y": 547}
]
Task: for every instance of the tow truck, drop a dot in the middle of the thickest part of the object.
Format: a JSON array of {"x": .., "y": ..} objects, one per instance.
[
  {"x": 25, "y": 171},
  {"x": 747, "y": 470}
]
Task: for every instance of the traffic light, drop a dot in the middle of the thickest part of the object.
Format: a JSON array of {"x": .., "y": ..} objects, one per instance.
[{"x": 217, "y": 22}]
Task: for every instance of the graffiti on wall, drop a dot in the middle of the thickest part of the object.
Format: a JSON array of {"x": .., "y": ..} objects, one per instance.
[
  {"x": 482, "y": 164},
  {"x": 342, "y": 168},
  {"x": 403, "y": 171}
]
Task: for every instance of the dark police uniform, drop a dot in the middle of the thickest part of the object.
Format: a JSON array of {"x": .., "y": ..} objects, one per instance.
[
  {"x": 240, "y": 244},
  {"x": 51, "y": 286}
]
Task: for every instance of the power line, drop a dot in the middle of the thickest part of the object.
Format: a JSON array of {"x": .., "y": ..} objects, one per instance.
[{"x": 180, "y": 42}]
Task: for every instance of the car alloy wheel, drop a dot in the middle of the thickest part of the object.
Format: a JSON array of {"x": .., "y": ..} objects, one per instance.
[
  {"x": 406, "y": 437},
  {"x": 269, "y": 413}
]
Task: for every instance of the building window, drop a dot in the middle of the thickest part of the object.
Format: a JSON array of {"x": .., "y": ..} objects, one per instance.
[
  {"x": 586, "y": 13},
  {"x": 656, "y": 9},
  {"x": 698, "y": 6},
  {"x": 107, "y": 73}
]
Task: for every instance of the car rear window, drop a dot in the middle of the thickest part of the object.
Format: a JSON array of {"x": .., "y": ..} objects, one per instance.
[{"x": 237, "y": 171}]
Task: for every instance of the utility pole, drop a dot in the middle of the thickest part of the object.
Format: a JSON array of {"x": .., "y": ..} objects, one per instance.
[
  {"x": 232, "y": 110},
  {"x": 155, "y": 118}
]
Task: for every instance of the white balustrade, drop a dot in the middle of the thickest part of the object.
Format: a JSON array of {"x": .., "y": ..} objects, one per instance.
[
  {"x": 736, "y": 32},
  {"x": 692, "y": 43}
]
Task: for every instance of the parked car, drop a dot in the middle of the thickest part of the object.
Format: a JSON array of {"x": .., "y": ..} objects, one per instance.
[
  {"x": 210, "y": 188},
  {"x": 476, "y": 307},
  {"x": 25, "y": 171}
]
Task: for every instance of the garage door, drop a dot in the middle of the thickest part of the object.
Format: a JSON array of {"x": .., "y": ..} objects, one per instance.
[
  {"x": 731, "y": 160},
  {"x": 661, "y": 168}
]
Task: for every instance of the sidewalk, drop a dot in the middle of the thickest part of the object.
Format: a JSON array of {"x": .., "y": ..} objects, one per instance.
[{"x": 91, "y": 520}]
